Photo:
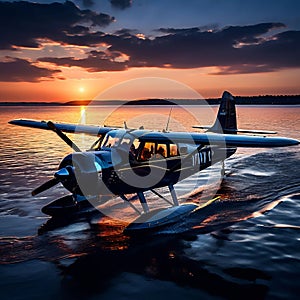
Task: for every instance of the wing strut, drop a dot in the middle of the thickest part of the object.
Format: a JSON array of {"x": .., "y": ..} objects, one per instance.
[
  {"x": 123, "y": 197},
  {"x": 143, "y": 202},
  {"x": 173, "y": 194},
  {"x": 223, "y": 169},
  {"x": 161, "y": 196}
]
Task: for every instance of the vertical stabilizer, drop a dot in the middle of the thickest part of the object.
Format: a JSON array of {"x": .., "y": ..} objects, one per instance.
[{"x": 226, "y": 118}]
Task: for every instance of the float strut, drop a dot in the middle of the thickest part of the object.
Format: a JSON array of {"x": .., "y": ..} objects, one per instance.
[
  {"x": 173, "y": 194},
  {"x": 143, "y": 202},
  {"x": 223, "y": 169},
  {"x": 131, "y": 205}
]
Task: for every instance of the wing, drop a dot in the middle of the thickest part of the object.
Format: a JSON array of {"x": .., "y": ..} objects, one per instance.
[
  {"x": 231, "y": 140},
  {"x": 65, "y": 127}
]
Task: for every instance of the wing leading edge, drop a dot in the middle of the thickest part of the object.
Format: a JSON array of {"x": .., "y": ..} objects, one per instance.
[
  {"x": 65, "y": 127},
  {"x": 231, "y": 140}
]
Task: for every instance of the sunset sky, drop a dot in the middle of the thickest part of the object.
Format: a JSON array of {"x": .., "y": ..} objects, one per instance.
[{"x": 63, "y": 50}]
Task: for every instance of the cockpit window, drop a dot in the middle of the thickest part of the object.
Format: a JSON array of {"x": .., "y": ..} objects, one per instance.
[
  {"x": 111, "y": 140},
  {"x": 119, "y": 139},
  {"x": 134, "y": 146}
]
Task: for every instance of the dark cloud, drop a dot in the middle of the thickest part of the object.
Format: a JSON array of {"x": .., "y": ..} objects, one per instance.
[
  {"x": 97, "y": 61},
  {"x": 178, "y": 30},
  {"x": 125, "y": 32},
  {"x": 234, "y": 49},
  {"x": 211, "y": 27},
  {"x": 121, "y": 4},
  {"x": 24, "y": 23},
  {"x": 16, "y": 70}
]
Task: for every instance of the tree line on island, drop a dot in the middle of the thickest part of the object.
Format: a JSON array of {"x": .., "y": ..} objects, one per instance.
[{"x": 240, "y": 100}]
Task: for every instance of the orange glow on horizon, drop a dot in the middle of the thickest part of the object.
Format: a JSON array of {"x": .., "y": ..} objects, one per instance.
[{"x": 81, "y": 84}]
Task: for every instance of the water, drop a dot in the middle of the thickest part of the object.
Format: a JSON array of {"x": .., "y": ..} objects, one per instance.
[{"x": 245, "y": 245}]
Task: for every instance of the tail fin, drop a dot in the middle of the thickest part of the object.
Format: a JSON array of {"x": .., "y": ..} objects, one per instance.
[{"x": 226, "y": 118}]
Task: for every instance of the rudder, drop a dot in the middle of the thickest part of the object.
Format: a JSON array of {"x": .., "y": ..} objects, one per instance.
[{"x": 226, "y": 117}]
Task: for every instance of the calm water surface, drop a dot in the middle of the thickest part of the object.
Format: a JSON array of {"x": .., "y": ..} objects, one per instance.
[{"x": 245, "y": 245}]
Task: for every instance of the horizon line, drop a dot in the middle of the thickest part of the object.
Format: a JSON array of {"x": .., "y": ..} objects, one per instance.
[{"x": 142, "y": 99}]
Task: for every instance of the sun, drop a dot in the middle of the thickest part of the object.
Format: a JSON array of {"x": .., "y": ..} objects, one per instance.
[{"x": 81, "y": 89}]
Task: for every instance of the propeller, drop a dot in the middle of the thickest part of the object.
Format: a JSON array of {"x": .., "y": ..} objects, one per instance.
[
  {"x": 59, "y": 176},
  {"x": 85, "y": 164},
  {"x": 62, "y": 173},
  {"x": 45, "y": 186},
  {"x": 64, "y": 137}
]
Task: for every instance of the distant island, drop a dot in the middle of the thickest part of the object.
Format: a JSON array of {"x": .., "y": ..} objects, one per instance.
[{"x": 240, "y": 100}]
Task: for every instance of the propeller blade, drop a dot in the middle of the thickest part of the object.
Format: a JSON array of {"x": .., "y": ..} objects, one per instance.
[
  {"x": 64, "y": 137},
  {"x": 45, "y": 186}
]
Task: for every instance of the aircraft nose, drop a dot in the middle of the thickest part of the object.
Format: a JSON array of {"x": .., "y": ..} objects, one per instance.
[{"x": 62, "y": 173}]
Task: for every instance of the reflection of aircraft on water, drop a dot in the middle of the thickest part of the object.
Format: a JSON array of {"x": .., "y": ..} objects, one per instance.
[{"x": 132, "y": 161}]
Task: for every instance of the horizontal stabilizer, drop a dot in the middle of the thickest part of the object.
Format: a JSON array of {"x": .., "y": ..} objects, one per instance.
[
  {"x": 252, "y": 131},
  {"x": 238, "y": 130},
  {"x": 202, "y": 127}
]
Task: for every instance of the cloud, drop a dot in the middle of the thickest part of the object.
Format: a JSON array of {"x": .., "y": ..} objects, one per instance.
[
  {"x": 97, "y": 61},
  {"x": 125, "y": 32},
  {"x": 121, "y": 4},
  {"x": 243, "y": 69},
  {"x": 24, "y": 24},
  {"x": 16, "y": 70},
  {"x": 234, "y": 49},
  {"x": 178, "y": 30}
]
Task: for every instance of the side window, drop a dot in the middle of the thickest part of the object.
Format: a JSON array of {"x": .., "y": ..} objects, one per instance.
[
  {"x": 173, "y": 150},
  {"x": 147, "y": 151},
  {"x": 161, "y": 149},
  {"x": 155, "y": 150}
]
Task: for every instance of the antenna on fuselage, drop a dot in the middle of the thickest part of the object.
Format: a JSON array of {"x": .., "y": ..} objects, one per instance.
[
  {"x": 125, "y": 125},
  {"x": 167, "y": 126}
]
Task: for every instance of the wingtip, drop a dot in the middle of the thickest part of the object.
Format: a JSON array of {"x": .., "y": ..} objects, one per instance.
[
  {"x": 13, "y": 122},
  {"x": 288, "y": 142}
]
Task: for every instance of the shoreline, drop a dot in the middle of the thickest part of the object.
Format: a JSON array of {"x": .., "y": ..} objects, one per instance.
[{"x": 249, "y": 100}]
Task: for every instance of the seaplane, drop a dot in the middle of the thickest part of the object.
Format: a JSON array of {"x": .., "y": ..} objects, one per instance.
[{"x": 123, "y": 162}]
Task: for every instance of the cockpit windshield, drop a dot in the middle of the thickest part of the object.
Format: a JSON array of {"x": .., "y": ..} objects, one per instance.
[
  {"x": 111, "y": 140},
  {"x": 118, "y": 139}
]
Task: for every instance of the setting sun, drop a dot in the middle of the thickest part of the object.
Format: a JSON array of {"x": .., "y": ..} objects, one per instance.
[{"x": 81, "y": 89}]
